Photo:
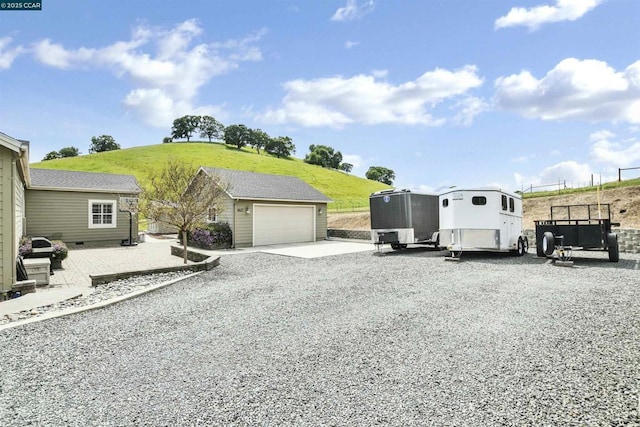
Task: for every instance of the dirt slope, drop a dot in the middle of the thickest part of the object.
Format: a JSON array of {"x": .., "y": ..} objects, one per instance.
[{"x": 625, "y": 209}]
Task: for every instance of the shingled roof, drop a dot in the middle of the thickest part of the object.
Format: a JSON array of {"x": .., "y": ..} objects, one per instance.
[
  {"x": 83, "y": 181},
  {"x": 260, "y": 186}
]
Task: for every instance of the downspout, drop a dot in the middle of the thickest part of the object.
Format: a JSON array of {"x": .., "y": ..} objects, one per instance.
[{"x": 14, "y": 249}]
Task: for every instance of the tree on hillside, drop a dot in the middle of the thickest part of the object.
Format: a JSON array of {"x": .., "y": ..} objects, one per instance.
[
  {"x": 184, "y": 127},
  {"x": 211, "y": 128},
  {"x": 51, "y": 155},
  {"x": 180, "y": 198},
  {"x": 238, "y": 135},
  {"x": 258, "y": 139},
  {"x": 324, "y": 156},
  {"x": 69, "y": 152},
  {"x": 381, "y": 174},
  {"x": 346, "y": 167},
  {"x": 281, "y": 146},
  {"x": 103, "y": 143}
]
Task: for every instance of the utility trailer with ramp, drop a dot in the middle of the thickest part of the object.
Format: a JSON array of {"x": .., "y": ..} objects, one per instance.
[{"x": 577, "y": 227}]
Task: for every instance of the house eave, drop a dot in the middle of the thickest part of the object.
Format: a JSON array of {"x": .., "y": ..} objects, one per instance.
[
  {"x": 281, "y": 200},
  {"x": 85, "y": 190}
]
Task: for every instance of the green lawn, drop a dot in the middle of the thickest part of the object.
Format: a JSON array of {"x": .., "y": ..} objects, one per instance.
[{"x": 350, "y": 193}]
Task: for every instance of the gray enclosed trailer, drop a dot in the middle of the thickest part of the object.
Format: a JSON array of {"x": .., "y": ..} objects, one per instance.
[{"x": 403, "y": 217}]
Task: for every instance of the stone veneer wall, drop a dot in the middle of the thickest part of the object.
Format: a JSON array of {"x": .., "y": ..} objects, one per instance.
[
  {"x": 628, "y": 238},
  {"x": 349, "y": 234}
]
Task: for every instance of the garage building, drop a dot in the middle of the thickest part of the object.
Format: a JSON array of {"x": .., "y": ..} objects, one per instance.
[{"x": 264, "y": 209}]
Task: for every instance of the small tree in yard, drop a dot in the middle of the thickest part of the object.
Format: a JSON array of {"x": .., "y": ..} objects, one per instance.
[{"x": 178, "y": 197}]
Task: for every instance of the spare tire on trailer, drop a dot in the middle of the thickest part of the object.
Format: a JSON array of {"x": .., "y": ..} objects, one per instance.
[
  {"x": 612, "y": 247},
  {"x": 548, "y": 243}
]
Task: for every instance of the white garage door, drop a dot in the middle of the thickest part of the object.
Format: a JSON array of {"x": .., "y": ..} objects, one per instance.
[{"x": 273, "y": 224}]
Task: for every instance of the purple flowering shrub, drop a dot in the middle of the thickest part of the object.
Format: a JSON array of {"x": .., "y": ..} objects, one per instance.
[
  {"x": 60, "y": 250},
  {"x": 25, "y": 247},
  {"x": 216, "y": 235}
]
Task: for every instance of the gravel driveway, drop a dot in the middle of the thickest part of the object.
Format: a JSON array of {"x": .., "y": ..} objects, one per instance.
[{"x": 360, "y": 339}]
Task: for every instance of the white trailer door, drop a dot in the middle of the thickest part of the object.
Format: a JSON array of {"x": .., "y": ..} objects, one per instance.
[{"x": 274, "y": 224}]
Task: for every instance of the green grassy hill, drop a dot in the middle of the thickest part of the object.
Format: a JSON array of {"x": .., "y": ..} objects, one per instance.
[{"x": 348, "y": 192}]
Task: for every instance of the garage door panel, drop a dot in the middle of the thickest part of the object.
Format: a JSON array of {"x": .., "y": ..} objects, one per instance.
[{"x": 283, "y": 224}]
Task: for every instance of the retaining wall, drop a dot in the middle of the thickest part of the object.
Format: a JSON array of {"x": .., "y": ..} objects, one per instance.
[
  {"x": 349, "y": 234},
  {"x": 628, "y": 238}
]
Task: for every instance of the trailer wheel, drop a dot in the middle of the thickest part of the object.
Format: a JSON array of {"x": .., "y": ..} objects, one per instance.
[
  {"x": 548, "y": 243},
  {"x": 612, "y": 243},
  {"x": 540, "y": 250},
  {"x": 521, "y": 248},
  {"x": 526, "y": 244}
]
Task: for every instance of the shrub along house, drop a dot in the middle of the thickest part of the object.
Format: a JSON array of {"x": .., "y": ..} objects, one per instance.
[
  {"x": 80, "y": 208},
  {"x": 14, "y": 178},
  {"x": 264, "y": 209}
]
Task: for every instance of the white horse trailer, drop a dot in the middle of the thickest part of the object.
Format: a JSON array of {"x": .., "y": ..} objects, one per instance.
[
  {"x": 403, "y": 217},
  {"x": 483, "y": 219}
]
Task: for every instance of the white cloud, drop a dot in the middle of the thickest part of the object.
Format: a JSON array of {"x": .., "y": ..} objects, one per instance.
[
  {"x": 469, "y": 108},
  {"x": 8, "y": 55},
  {"x": 615, "y": 154},
  {"x": 166, "y": 79},
  {"x": 569, "y": 172},
  {"x": 601, "y": 134},
  {"x": 522, "y": 159},
  {"x": 349, "y": 44},
  {"x": 354, "y": 159},
  {"x": 533, "y": 18},
  {"x": 588, "y": 90},
  {"x": 338, "y": 101},
  {"x": 352, "y": 10}
]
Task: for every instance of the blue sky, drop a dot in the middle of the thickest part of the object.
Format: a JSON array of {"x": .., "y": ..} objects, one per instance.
[{"x": 511, "y": 93}]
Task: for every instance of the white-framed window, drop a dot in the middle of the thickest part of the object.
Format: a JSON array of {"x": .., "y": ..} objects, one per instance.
[
  {"x": 213, "y": 214},
  {"x": 102, "y": 214}
]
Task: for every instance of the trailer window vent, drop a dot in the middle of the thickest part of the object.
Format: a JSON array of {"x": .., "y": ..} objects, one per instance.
[
  {"x": 512, "y": 205},
  {"x": 445, "y": 203},
  {"x": 479, "y": 200},
  {"x": 504, "y": 202}
]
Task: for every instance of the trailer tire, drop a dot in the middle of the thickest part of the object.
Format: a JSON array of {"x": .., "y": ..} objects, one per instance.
[
  {"x": 398, "y": 246},
  {"x": 614, "y": 251},
  {"x": 539, "y": 250},
  {"x": 548, "y": 243},
  {"x": 521, "y": 248}
]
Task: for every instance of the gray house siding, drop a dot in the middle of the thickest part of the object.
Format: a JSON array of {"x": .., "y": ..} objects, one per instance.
[
  {"x": 243, "y": 224},
  {"x": 225, "y": 211},
  {"x": 71, "y": 220}
]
